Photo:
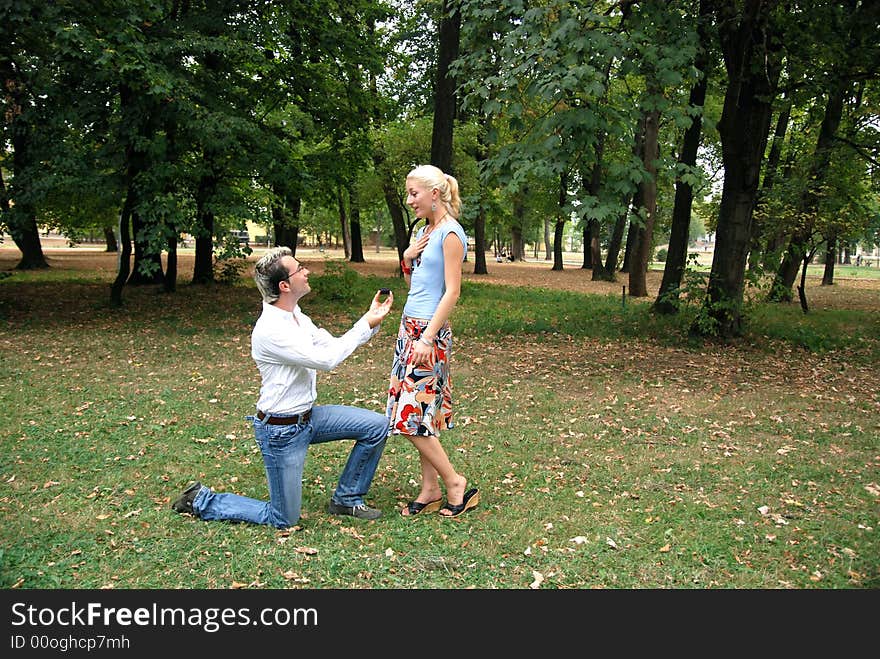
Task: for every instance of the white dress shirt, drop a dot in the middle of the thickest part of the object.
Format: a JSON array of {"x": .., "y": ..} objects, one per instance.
[{"x": 289, "y": 349}]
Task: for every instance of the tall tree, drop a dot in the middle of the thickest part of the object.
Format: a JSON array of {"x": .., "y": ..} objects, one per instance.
[
  {"x": 749, "y": 38},
  {"x": 858, "y": 55},
  {"x": 444, "y": 88},
  {"x": 644, "y": 246},
  {"x": 766, "y": 244},
  {"x": 26, "y": 49},
  {"x": 676, "y": 257},
  {"x": 663, "y": 43}
]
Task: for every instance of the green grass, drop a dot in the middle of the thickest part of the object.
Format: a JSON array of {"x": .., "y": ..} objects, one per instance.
[{"x": 611, "y": 450}]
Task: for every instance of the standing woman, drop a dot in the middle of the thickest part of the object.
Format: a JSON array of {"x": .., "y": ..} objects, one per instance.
[{"x": 420, "y": 391}]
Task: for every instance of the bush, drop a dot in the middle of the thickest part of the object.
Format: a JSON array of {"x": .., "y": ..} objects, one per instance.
[
  {"x": 339, "y": 282},
  {"x": 661, "y": 255},
  {"x": 229, "y": 270}
]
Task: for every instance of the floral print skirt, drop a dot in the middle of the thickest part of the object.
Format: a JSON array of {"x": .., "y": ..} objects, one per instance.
[{"x": 420, "y": 397}]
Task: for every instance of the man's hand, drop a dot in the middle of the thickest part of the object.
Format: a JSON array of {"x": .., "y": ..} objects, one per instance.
[{"x": 378, "y": 310}]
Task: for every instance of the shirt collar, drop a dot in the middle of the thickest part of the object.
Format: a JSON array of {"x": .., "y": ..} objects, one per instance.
[{"x": 278, "y": 312}]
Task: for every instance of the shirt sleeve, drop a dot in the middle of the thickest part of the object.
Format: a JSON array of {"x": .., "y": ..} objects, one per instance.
[{"x": 310, "y": 346}]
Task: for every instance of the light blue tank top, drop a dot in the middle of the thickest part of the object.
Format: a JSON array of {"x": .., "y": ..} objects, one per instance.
[{"x": 428, "y": 281}]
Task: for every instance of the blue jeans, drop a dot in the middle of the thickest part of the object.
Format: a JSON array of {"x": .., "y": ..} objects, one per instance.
[{"x": 284, "y": 451}]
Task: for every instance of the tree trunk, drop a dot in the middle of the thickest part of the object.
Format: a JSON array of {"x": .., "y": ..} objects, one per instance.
[
  {"x": 203, "y": 266},
  {"x": 132, "y": 164},
  {"x": 357, "y": 247},
  {"x": 808, "y": 204},
  {"x": 394, "y": 202},
  {"x": 398, "y": 220},
  {"x": 632, "y": 234},
  {"x": 560, "y": 222},
  {"x": 548, "y": 246},
  {"x": 638, "y": 286},
  {"x": 480, "y": 267},
  {"x": 123, "y": 262},
  {"x": 147, "y": 268},
  {"x": 592, "y": 232},
  {"x": 633, "y": 228},
  {"x": 517, "y": 246},
  {"x": 587, "y": 263},
  {"x": 558, "y": 231},
  {"x": 22, "y": 216},
  {"x": 753, "y": 71},
  {"x": 110, "y": 239},
  {"x": 667, "y": 301},
  {"x": 26, "y": 236},
  {"x": 444, "y": 88},
  {"x": 170, "y": 282},
  {"x": 614, "y": 245},
  {"x": 285, "y": 223},
  {"x": 830, "y": 258},
  {"x": 600, "y": 272},
  {"x": 802, "y": 289},
  {"x": 771, "y": 245},
  {"x": 343, "y": 222}
]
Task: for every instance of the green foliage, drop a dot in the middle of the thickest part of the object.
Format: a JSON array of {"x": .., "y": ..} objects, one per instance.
[
  {"x": 661, "y": 255},
  {"x": 197, "y": 116},
  {"x": 704, "y": 315},
  {"x": 339, "y": 283},
  {"x": 229, "y": 271},
  {"x": 230, "y": 259}
]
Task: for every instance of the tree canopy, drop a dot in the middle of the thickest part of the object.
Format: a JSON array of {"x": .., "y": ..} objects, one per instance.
[{"x": 611, "y": 120}]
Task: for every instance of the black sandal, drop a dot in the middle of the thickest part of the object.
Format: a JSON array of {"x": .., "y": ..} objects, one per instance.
[
  {"x": 471, "y": 499},
  {"x": 416, "y": 507}
]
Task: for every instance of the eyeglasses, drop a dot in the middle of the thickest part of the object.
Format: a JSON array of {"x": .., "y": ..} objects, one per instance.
[{"x": 300, "y": 267}]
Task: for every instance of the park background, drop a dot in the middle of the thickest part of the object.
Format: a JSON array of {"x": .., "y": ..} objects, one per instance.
[{"x": 637, "y": 414}]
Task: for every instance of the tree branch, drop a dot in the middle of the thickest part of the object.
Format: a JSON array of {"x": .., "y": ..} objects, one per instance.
[{"x": 858, "y": 148}]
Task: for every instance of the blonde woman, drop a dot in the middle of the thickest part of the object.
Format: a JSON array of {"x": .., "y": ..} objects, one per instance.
[{"x": 420, "y": 392}]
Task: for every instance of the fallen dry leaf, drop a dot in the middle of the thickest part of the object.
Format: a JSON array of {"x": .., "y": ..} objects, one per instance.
[{"x": 538, "y": 580}]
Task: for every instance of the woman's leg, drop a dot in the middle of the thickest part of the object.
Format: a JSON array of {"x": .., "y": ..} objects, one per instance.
[{"x": 435, "y": 463}]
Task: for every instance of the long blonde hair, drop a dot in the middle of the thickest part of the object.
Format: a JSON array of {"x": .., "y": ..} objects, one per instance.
[{"x": 431, "y": 178}]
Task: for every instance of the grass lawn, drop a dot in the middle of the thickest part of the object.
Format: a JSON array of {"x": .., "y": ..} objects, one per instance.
[{"x": 611, "y": 450}]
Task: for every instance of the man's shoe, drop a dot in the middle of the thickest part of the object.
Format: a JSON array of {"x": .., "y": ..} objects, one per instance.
[
  {"x": 184, "y": 503},
  {"x": 361, "y": 511}
]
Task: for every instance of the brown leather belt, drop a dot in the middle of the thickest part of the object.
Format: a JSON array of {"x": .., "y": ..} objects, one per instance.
[{"x": 284, "y": 420}]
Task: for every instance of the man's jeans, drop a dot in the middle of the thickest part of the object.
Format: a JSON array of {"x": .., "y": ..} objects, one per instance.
[{"x": 284, "y": 451}]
